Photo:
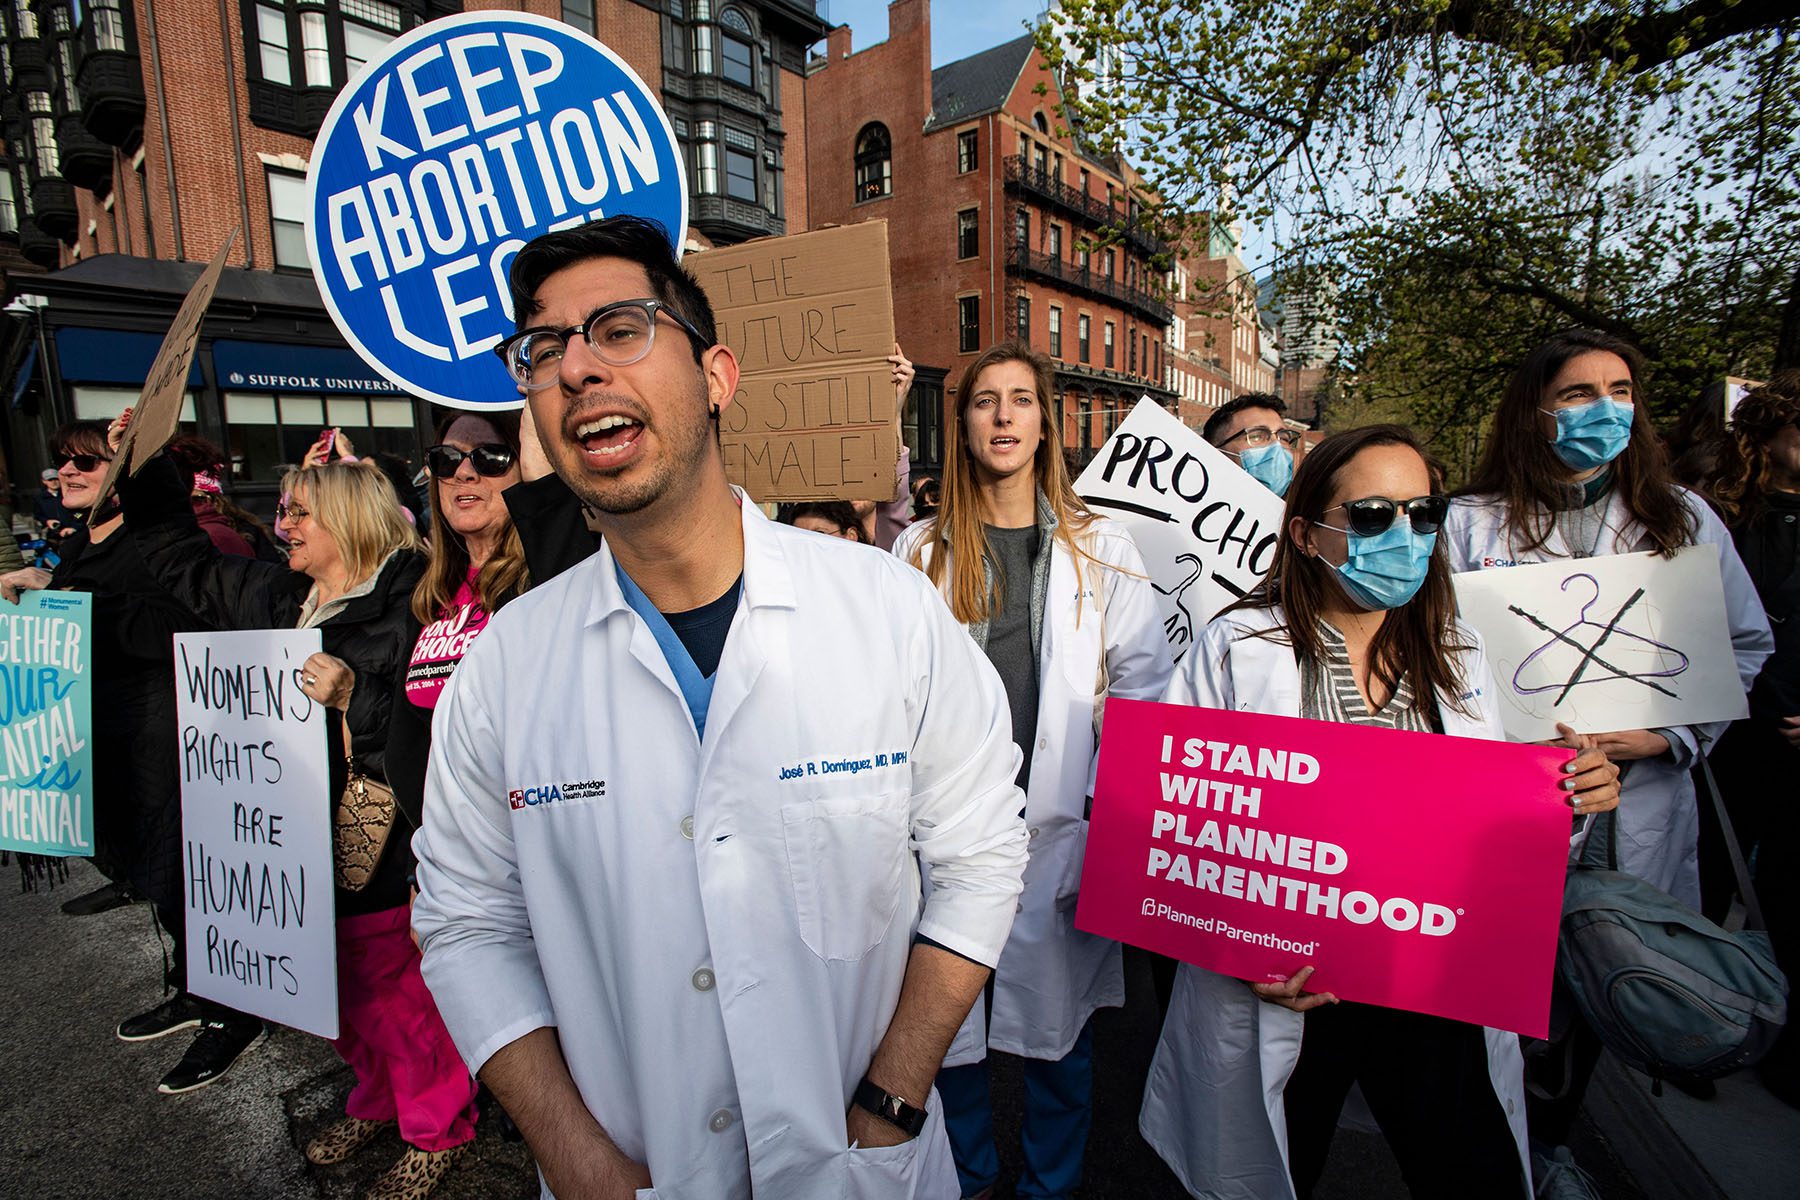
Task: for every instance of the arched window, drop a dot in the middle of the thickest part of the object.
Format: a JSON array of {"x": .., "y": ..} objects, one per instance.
[
  {"x": 874, "y": 163},
  {"x": 1043, "y": 126},
  {"x": 737, "y": 62}
]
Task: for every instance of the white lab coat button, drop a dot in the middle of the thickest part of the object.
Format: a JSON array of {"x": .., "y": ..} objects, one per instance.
[
  {"x": 687, "y": 828},
  {"x": 1043, "y": 743},
  {"x": 703, "y": 980},
  {"x": 1032, "y": 833},
  {"x": 720, "y": 1121}
]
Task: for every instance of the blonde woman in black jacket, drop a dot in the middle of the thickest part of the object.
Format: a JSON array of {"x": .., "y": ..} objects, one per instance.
[{"x": 354, "y": 561}]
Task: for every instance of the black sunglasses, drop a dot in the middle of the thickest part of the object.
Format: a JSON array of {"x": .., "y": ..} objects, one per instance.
[
  {"x": 83, "y": 462},
  {"x": 489, "y": 459},
  {"x": 1376, "y": 514}
]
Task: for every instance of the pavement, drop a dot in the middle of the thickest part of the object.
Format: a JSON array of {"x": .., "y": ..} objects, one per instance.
[{"x": 82, "y": 1118}]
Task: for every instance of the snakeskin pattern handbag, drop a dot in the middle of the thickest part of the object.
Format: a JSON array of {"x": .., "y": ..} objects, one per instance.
[{"x": 361, "y": 825}]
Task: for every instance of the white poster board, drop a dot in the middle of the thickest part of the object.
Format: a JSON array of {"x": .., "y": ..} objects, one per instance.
[
  {"x": 1626, "y": 641},
  {"x": 256, "y": 827},
  {"x": 1207, "y": 530}
]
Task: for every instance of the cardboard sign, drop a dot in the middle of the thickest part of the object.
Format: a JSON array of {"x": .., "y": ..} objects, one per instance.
[
  {"x": 457, "y": 144},
  {"x": 46, "y": 724},
  {"x": 256, "y": 827},
  {"x": 157, "y": 413},
  {"x": 1208, "y": 531},
  {"x": 1254, "y": 845},
  {"x": 811, "y": 318},
  {"x": 1624, "y": 641},
  {"x": 1735, "y": 391}
]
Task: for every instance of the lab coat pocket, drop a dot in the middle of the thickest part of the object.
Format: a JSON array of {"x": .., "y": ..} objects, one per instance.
[
  {"x": 1074, "y": 850},
  {"x": 883, "y": 1172},
  {"x": 846, "y": 858}
]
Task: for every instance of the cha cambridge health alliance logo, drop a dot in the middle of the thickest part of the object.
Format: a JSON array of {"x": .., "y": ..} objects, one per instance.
[
  {"x": 532, "y": 797},
  {"x": 462, "y": 141}
]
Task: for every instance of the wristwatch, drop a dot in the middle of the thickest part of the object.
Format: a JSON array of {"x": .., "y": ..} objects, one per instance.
[{"x": 871, "y": 1098}]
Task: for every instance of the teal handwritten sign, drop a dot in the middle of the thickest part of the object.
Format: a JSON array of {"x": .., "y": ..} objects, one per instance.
[{"x": 46, "y": 730}]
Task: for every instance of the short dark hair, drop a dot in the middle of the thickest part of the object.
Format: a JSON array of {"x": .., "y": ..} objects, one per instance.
[
  {"x": 81, "y": 437},
  {"x": 839, "y": 512},
  {"x": 1232, "y": 408},
  {"x": 636, "y": 239}
]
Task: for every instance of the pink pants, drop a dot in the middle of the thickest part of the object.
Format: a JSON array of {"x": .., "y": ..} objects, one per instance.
[{"x": 407, "y": 1069}]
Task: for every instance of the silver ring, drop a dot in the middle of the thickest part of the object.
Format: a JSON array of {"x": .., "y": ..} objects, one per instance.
[{"x": 309, "y": 680}]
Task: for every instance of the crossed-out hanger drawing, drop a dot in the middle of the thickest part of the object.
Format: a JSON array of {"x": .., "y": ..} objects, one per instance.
[{"x": 1584, "y": 638}]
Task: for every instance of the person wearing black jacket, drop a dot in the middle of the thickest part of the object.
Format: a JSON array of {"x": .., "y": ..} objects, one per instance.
[
  {"x": 1759, "y": 491},
  {"x": 137, "y": 791},
  {"x": 354, "y": 562}
]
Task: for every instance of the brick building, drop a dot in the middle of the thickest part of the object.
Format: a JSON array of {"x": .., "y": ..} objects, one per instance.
[
  {"x": 139, "y": 133},
  {"x": 1221, "y": 345},
  {"x": 996, "y": 216}
]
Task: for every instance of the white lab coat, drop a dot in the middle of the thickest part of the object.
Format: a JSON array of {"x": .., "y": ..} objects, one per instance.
[
  {"x": 1658, "y": 823},
  {"x": 1213, "y": 1102},
  {"x": 1053, "y": 977},
  {"x": 720, "y": 948}
]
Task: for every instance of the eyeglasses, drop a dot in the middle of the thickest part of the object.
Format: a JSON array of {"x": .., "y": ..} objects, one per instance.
[
  {"x": 83, "y": 462},
  {"x": 1262, "y": 435},
  {"x": 287, "y": 510},
  {"x": 619, "y": 334},
  {"x": 489, "y": 459},
  {"x": 1377, "y": 514}
]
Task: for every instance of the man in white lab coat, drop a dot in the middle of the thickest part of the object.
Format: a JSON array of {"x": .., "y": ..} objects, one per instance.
[{"x": 668, "y": 875}]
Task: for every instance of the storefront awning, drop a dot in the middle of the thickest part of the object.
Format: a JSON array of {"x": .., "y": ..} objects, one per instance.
[
  {"x": 284, "y": 367},
  {"x": 110, "y": 356}
]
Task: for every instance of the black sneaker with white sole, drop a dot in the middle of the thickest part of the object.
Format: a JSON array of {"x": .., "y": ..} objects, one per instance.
[
  {"x": 215, "y": 1048},
  {"x": 178, "y": 1012}
]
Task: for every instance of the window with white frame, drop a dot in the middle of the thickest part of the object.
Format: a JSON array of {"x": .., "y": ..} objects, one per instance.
[{"x": 287, "y": 218}]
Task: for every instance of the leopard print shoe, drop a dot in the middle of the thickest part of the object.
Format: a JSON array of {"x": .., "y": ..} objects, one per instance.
[
  {"x": 415, "y": 1175},
  {"x": 341, "y": 1139}
]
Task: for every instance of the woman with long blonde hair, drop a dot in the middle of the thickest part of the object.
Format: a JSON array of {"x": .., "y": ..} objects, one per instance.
[
  {"x": 1060, "y": 601},
  {"x": 354, "y": 561}
]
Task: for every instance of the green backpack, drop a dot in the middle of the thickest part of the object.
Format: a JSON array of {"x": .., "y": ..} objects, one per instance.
[{"x": 1668, "y": 992}]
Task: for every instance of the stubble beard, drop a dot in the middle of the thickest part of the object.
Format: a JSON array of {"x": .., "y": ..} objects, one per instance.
[{"x": 683, "y": 442}]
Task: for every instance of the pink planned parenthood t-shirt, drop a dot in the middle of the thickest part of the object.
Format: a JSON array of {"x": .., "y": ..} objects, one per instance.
[{"x": 442, "y": 644}]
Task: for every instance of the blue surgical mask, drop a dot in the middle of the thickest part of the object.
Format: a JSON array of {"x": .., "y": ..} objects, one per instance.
[
  {"x": 1387, "y": 569},
  {"x": 1271, "y": 465},
  {"x": 1593, "y": 434}
]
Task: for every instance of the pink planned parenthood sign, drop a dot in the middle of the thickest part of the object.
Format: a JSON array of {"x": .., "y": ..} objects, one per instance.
[{"x": 1413, "y": 870}]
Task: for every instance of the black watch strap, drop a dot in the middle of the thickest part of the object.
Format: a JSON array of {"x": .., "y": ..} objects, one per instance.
[{"x": 890, "y": 1108}]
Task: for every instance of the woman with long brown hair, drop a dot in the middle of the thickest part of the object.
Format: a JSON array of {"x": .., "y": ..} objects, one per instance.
[
  {"x": 1060, "y": 601},
  {"x": 1573, "y": 469},
  {"x": 1356, "y": 622}
]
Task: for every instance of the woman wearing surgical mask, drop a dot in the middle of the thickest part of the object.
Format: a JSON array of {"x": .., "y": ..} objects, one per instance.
[
  {"x": 1059, "y": 600},
  {"x": 1573, "y": 469},
  {"x": 1356, "y": 623}
]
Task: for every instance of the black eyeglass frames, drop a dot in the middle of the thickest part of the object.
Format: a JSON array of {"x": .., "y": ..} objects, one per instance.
[
  {"x": 1376, "y": 514},
  {"x": 489, "y": 459}
]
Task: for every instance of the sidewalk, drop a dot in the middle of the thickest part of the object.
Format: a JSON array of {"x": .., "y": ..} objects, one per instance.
[
  {"x": 1743, "y": 1144},
  {"x": 80, "y": 1108}
]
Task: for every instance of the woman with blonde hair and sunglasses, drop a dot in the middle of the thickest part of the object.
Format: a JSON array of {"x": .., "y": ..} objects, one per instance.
[
  {"x": 1355, "y": 622},
  {"x": 354, "y": 562},
  {"x": 1060, "y": 601}
]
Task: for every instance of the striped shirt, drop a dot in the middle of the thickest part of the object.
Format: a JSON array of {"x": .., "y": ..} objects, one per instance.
[{"x": 1328, "y": 691}]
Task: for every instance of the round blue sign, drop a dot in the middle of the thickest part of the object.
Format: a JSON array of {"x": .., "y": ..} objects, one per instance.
[{"x": 464, "y": 140}]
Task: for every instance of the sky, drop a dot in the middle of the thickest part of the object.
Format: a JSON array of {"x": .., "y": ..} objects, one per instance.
[{"x": 959, "y": 28}]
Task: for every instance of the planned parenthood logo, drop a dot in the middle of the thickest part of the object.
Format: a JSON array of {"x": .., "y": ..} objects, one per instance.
[{"x": 467, "y": 138}]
